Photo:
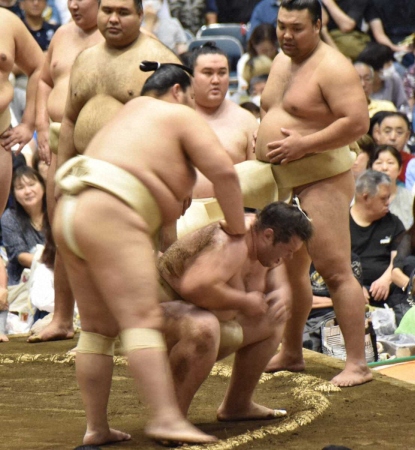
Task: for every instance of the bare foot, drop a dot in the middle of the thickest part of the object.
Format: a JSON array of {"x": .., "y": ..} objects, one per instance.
[
  {"x": 282, "y": 361},
  {"x": 254, "y": 412},
  {"x": 105, "y": 437},
  {"x": 178, "y": 432},
  {"x": 3, "y": 338},
  {"x": 353, "y": 376},
  {"x": 53, "y": 332}
]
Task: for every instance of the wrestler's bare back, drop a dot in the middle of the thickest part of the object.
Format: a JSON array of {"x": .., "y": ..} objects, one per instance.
[
  {"x": 152, "y": 140},
  {"x": 61, "y": 58},
  {"x": 293, "y": 96},
  {"x": 204, "y": 247},
  {"x": 106, "y": 79}
]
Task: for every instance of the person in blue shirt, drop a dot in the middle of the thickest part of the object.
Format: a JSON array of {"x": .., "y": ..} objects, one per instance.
[{"x": 265, "y": 12}]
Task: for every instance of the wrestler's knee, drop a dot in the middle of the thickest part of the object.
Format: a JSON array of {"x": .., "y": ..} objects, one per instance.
[
  {"x": 203, "y": 333},
  {"x": 333, "y": 278},
  {"x": 95, "y": 343}
]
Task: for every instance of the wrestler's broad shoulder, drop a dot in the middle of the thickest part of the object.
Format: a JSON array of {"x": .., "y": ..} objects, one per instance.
[
  {"x": 152, "y": 49},
  {"x": 244, "y": 117}
]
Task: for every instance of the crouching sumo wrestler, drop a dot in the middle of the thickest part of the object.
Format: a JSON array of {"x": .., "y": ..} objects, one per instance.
[{"x": 230, "y": 297}]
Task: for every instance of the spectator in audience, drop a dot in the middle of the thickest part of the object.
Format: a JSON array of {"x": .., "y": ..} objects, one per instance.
[
  {"x": 41, "y": 286},
  {"x": 39, "y": 165},
  {"x": 235, "y": 11},
  {"x": 396, "y": 18},
  {"x": 167, "y": 29},
  {"x": 388, "y": 160},
  {"x": 366, "y": 75},
  {"x": 362, "y": 161},
  {"x": 192, "y": 14},
  {"x": 404, "y": 262},
  {"x": 409, "y": 86},
  {"x": 13, "y": 6},
  {"x": 387, "y": 84},
  {"x": 375, "y": 234},
  {"x": 265, "y": 11},
  {"x": 394, "y": 128},
  {"x": 40, "y": 29},
  {"x": 262, "y": 41},
  {"x": 345, "y": 25},
  {"x": 23, "y": 224}
]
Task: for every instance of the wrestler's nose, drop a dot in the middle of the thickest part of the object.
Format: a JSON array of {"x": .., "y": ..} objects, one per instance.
[
  {"x": 113, "y": 17},
  {"x": 215, "y": 78}
]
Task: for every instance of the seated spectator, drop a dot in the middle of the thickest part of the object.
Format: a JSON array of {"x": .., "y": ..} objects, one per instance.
[
  {"x": 39, "y": 165},
  {"x": 322, "y": 305},
  {"x": 397, "y": 19},
  {"x": 388, "y": 160},
  {"x": 345, "y": 25},
  {"x": 12, "y": 6},
  {"x": 167, "y": 29},
  {"x": 39, "y": 28},
  {"x": 409, "y": 86},
  {"x": 375, "y": 234},
  {"x": 235, "y": 11},
  {"x": 193, "y": 14},
  {"x": 41, "y": 285},
  {"x": 367, "y": 148},
  {"x": 366, "y": 75},
  {"x": 387, "y": 84},
  {"x": 266, "y": 11},
  {"x": 256, "y": 87},
  {"x": 404, "y": 262},
  {"x": 262, "y": 41},
  {"x": 394, "y": 128},
  {"x": 23, "y": 223}
]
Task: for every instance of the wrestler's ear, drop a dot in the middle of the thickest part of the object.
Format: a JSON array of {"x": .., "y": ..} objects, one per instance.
[
  {"x": 177, "y": 92},
  {"x": 269, "y": 235}
]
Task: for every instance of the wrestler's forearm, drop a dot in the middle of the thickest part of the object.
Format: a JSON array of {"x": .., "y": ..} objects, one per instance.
[
  {"x": 229, "y": 196},
  {"x": 340, "y": 133},
  {"x": 219, "y": 296},
  {"x": 29, "y": 115},
  {"x": 42, "y": 116}
]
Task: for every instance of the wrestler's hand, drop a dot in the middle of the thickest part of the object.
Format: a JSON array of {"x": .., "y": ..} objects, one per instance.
[
  {"x": 286, "y": 150},
  {"x": 19, "y": 135},
  {"x": 379, "y": 289},
  {"x": 43, "y": 146},
  {"x": 277, "y": 307},
  {"x": 256, "y": 304},
  {"x": 228, "y": 230}
]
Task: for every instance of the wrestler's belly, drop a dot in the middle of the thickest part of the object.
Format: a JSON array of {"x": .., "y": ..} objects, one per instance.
[
  {"x": 56, "y": 102},
  {"x": 270, "y": 129},
  {"x": 94, "y": 115}
]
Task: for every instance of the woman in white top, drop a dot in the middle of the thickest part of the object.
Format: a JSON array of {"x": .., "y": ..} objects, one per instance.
[{"x": 263, "y": 41}]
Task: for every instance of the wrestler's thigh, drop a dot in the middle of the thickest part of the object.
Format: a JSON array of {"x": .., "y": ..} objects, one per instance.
[
  {"x": 327, "y": 203},
  {"x": 94, "y": 313},
  {"x": 120, "y": 257},
  {"x": 5, "y": 177},
  {"x": 185, "y": 321}
]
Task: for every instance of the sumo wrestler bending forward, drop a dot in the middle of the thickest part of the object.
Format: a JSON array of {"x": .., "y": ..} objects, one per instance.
[{"x": 134, "y": 177}]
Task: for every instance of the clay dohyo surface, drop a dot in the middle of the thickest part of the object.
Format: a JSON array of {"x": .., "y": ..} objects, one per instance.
[{"x": 41, "y": 407}]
